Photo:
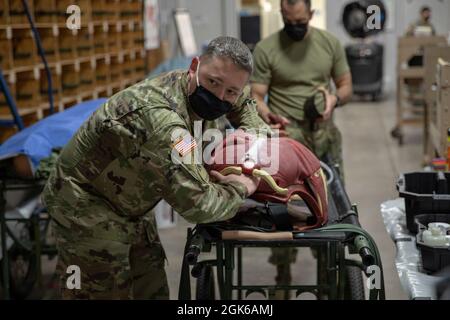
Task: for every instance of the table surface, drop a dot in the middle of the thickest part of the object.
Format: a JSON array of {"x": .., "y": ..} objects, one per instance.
[{"x": 418, "y": 284}]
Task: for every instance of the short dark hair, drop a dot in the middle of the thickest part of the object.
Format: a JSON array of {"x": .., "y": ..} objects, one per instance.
[
  {"x": 426, "y": 8},
  {"x": 292, "y": 2},
  {"x": 232, "y": 48}
]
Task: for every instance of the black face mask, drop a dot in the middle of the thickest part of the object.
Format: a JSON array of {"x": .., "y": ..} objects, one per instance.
[
  {"x": 296, "y": 32},
  {"x": 206, "y": 105}
]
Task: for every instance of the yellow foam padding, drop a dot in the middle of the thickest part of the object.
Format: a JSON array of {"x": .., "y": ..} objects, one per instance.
[
  {"x": 325, "y": 184},
  {"x": 257, "y": 174},
  {"x": 231, "y": 170},
  {"x": 320, "y": 172},
  {"x": 295, "y": 197},
  {"x": 270, "y": 181}
]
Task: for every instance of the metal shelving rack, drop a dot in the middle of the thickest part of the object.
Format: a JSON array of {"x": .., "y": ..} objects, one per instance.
[{"x": 102, "y": 57}]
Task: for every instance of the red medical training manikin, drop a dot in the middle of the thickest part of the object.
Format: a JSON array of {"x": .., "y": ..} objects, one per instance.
[{"x": 288, "y": 170}]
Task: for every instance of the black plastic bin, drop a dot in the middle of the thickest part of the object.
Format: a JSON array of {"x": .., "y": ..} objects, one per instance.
[
  {"x": 424, "y": 193},
  {"x": 366, "y": 65},
  {"x": 433, "y": 259}
]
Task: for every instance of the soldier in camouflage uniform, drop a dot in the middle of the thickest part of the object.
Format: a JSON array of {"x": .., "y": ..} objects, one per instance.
[
  {"x": 118, "y": 166},
  {"x": 290, "y": 67}
]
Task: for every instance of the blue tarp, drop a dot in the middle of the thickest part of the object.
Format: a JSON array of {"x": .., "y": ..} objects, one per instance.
[{"x": 38, "y": 140}]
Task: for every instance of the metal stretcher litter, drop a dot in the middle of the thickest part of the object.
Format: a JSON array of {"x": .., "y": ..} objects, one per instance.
[{"x": 338, "y": 277}]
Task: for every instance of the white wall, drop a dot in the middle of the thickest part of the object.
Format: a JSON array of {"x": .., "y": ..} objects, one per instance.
[
  {"x": 210, "y": 18},
  {"x": 271, "y": 20},
  {"x": 320, "y": 14},
  {"x": 400, "y": 15}
]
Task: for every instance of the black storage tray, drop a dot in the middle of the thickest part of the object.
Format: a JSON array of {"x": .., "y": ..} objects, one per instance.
[
  {"x": 424, "y": 193},
  {"x": 433, "y": 259}
]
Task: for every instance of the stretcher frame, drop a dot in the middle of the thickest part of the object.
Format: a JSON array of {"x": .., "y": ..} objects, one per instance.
[
  {"x": 331, "y": 258},
  {"x": 37, "y": 245}
]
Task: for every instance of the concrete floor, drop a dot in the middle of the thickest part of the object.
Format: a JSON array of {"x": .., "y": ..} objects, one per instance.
[{"x": 373, "y": 162}]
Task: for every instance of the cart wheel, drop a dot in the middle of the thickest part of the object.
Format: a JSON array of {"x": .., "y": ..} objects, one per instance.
[
  {"x": 22, "y": 272},
  {"x": 205, "y": 284},
  {"x": 354, "y": 285},
  {"x": 377, "y": 96},
  {"x": 397, "y": 134}
]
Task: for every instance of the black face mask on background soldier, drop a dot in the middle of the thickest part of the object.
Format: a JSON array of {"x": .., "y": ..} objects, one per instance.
[
  {"x": 206, "y": 105},
  {"x": 296, "y": 32}
]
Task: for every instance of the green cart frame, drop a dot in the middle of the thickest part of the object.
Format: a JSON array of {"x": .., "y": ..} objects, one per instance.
[
  {"x": 337, "y": 276},
  {"x": 29, "y": 249}
]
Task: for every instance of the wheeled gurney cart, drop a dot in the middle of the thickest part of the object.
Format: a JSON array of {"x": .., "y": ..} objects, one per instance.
[
  {"x": 22, "y": 238},
  {"x": 338, "y": 277}
]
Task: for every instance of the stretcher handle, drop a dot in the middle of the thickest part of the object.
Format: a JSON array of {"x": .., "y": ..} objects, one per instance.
[
  {"x": 194, "y": 249},
  {"x": 363, "y": 248},
  {"x": 192, "y": 255},
  {"x": 253, "y": 235}
]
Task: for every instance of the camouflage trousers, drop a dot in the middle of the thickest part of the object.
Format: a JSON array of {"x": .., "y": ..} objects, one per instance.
[
  {"x": 127, "y": 263},
  {"x": 324, "y": 139}
]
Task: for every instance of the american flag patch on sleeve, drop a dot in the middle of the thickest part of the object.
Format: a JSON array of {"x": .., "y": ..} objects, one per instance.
[{"x": 185, "y": 145}]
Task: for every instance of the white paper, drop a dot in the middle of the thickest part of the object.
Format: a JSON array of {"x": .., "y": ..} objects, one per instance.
[
  {"x": 151, "y": 22},
  {"x": 186, "y": 33}
]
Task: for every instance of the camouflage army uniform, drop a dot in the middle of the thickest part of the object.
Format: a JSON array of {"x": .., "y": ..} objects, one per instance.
[
  {"x": 293, "y": 72},
  {"x": 324, "y": 139},
  {"x": 112, "y": 173}
]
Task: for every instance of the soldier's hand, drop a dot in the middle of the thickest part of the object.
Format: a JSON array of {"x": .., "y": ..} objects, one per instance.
[
  {"x": 281, "y": 132},
  {"x": 276, "y": 122},
  {"x": 275, "y": 119},
  {"x": 330, "y": 103},
  {"x": 251, "y": 183}
]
